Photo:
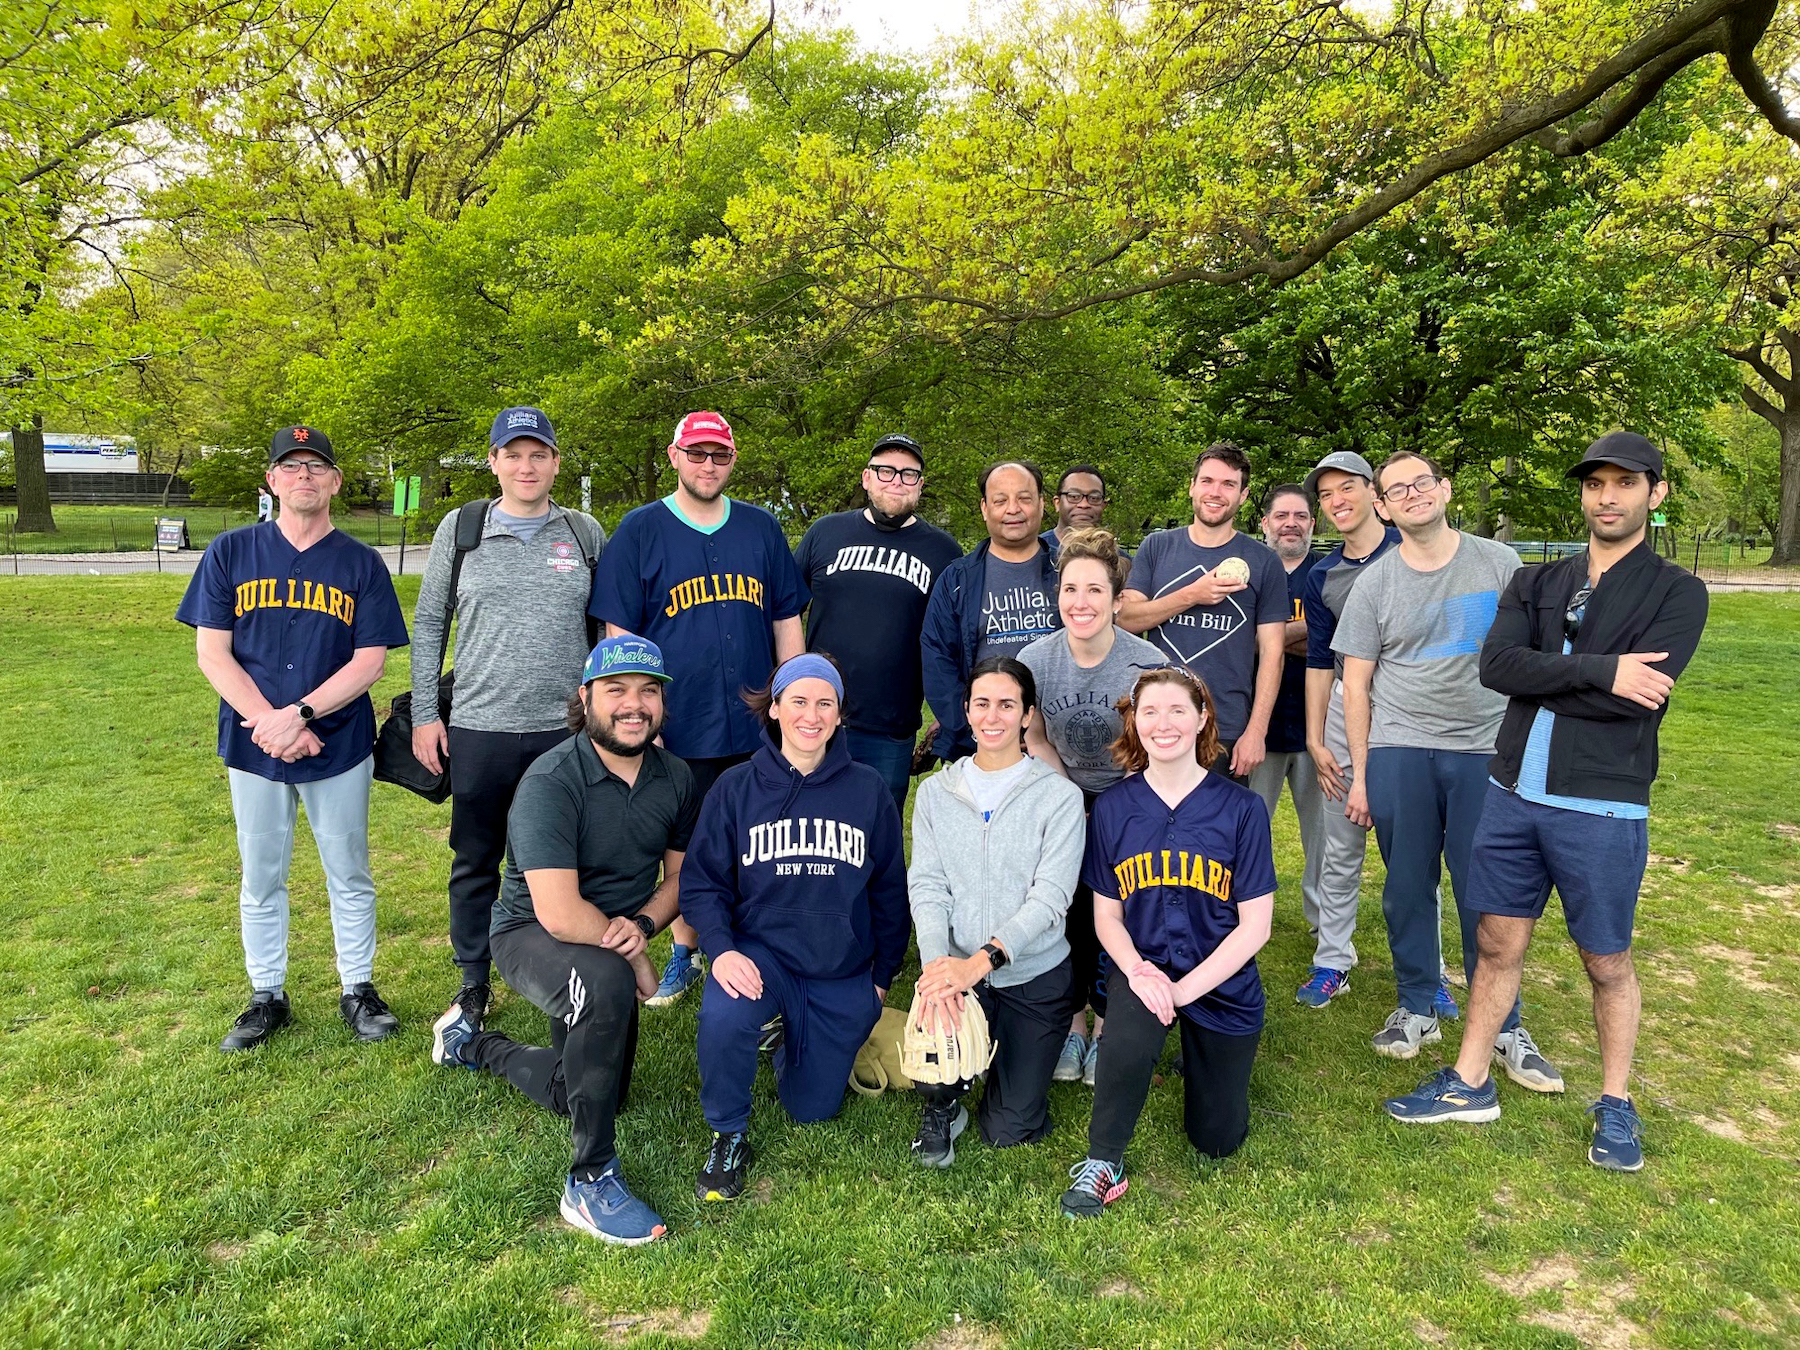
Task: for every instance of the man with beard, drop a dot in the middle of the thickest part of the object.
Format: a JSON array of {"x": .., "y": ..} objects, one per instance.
[
  {"x": 1217, "y": 602},
  {"x": 1080, "y": 503},
  {"x": 1287, "y": 527},
  {"x": 591, "y": 824},
  {"x": 711, "y": 581},
  {"x": 870, "y": 573},
  {"x": 991, "y": 602},
  {"x": 1587, "y": 649}
]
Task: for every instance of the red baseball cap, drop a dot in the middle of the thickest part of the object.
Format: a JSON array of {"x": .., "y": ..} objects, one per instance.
[{"x": 702, "y": 428}]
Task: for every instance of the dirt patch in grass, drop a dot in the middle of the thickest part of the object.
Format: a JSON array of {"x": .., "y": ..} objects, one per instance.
[
  {"x": 619, "y": 1328},
  {"x": 1746, "y": 967},
  {"x": 1118, "y": 1288},
  {"x": 1664, "y": 970},
  {"x": 1549, "y": 1273},
  {"x": 1430, "y": 1332},
  {"x": 1665, "y": 861},
  {"x": 224, "y": 1253},
  {"x": 1590, "y": 1312},
  {"x": 1367, "y": 1235},
  {"x": 762, "y": 1190},
  {"x": 1784, "y": 830},
  {"x": 961, "y": 1335},
  {"x": 1725, "y": 1129}
]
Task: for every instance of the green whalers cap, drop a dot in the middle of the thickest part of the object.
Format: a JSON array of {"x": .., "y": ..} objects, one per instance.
[{"x": 625, "y": 656}]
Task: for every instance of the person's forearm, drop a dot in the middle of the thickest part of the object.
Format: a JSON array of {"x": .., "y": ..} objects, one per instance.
[
  {"x": 1269, "y": 662},
  {"x": 1293, "y": 638},
  {"x": 1118, "y": 943},
  {"x": 665, "y": 901},
  {"x": 232, "y": 682},
  {"x": 1038, "y": 745},
  {"x": 350, "y": 682},
  {"x": 1356, "y": 727},
  {"x": 1318, "y": 703},
  {"x": 1142, "y": 614},
  {"x": 790, "y": 639},
  {"x": 1237, "y": 950}
]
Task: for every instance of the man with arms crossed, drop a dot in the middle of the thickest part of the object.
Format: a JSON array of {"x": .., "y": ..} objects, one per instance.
[
  {"x": 870, "y": 573},
  {"x": 521, "y": 636},
  {"x": 1421, "y": 728},
  {"x": 591, "y": 823},
  {"x": 1588, "y": 649},
  {"x": 1344, "y": 485},
  {"x": 991, "y": 602},
  {"x": 293, "y": 620},
  {"x": 1229, "y": 629},
  {"x": 711, "y": 581}
]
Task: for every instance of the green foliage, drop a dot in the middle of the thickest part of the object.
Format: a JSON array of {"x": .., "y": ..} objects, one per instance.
[{"x": 227, "y": 477}]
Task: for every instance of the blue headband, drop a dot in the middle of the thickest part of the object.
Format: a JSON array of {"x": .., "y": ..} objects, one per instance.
[{"x": 807, "y": 666}]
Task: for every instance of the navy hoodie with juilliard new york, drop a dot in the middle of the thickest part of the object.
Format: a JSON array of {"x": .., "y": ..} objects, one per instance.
[{"x": 809, "y": 866}]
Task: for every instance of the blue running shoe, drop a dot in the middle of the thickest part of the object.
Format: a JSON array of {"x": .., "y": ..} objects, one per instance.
[
  {"x": 605, "y": 1208},
  {"x": 1443, "y": 1004},
  {"x": 1618, "y": 1135},
  {"x": 1322, "y": 985},
  {"x": 682, "y": 972},
  {"x": 1444, "y": 1096},
  {"x": 450, "y": 1037}
]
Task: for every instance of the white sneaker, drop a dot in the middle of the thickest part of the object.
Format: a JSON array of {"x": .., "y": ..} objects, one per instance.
[
  {"x": 1404, "y": 1033},
  {"x": 1524, "y": 1063}
]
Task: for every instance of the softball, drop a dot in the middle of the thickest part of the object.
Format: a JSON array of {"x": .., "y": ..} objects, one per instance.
[{"x": 1233, "y": 569}]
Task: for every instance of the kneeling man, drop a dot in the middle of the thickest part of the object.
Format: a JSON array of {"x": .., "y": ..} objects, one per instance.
[{"x": 591, "y": 823}]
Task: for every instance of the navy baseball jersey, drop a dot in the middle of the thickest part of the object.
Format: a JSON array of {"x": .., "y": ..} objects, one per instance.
[
  {"x": 1180, "y": 873},
  {"x": 295, "y": 619},
  {"x": 709, "y": 598}
]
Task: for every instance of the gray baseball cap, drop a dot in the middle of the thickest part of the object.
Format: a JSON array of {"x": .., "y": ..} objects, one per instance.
[{"x": 1344, "y": 461}]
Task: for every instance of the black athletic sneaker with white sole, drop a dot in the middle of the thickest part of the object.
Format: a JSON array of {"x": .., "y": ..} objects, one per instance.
[
  {"x": 268, "y": 1013},
  {"x": 365, "y": 1014},
  {"x": 935, "y": 1145},
  {"x": 727, "y": 1165},
  {"x": 474, "y": 1000}
]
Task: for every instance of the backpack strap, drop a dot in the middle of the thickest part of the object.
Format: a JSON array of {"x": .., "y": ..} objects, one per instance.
[
  {"x": 471, "y": 521},
  {"x": 591, "y": 557}
]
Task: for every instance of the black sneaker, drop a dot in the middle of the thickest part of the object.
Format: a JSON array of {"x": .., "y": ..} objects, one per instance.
[
  {"x": 474, "y": 1000},
  {"x": 366, "y": 1015},
  {"x": 268, "y": 1013},
  {"x": 936, "y": 1142},
  {"x": 727, "y": 1163}
]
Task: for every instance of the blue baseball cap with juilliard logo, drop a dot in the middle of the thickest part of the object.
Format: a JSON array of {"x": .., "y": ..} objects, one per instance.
[
  {"x": 625, "y": 656},
  {"x": 515, "y": 422}
]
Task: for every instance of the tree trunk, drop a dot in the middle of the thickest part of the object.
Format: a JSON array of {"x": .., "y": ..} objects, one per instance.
[
  {"x": 1787, "y": 522},
  {"x": 34, "y": 487},
  {"x": 170, "y": 482}
]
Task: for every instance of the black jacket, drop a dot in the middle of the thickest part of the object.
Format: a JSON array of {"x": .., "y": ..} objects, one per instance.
[{"x": 1602, "y": 746}]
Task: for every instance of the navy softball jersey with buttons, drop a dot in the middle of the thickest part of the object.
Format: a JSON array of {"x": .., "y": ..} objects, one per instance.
[
  {"x": 709, "y": 597},
  {"x": 1180, "y": 874},
  {"x": 296, "y": 618}
]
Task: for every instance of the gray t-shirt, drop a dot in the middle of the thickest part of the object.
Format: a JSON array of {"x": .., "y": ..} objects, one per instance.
[
  {"x": 1015, "y": 609},
  {"x": 1423, "y": 631},
  {"x": 1215, "y": 642},
  {"x": 1078, "y": 705},
  {"x": 525, "y": 527}
]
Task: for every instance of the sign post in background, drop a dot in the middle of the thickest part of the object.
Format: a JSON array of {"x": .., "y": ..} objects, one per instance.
[{"x": 406, "y": 498}]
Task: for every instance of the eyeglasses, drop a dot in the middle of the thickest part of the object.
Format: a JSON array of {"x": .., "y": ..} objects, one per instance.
[
  {"x": 887, "y": 473},
  {"x": 1078, "y": 498},
  {"x": 312, "y": 468},
  {"x": 701, "y": 456},
  {"x": 1576, "y": 612},
  {"x": 1401, "y": 491}
]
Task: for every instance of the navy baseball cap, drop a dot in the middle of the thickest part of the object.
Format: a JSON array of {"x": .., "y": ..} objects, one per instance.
[
  {"x": 625, "y": 656},
  {"x": 516, "y": 422},
  {"x": 291, "y": 439},
  {"x": 897, "y": 441},
  {"x": 1626, "y": 449}
]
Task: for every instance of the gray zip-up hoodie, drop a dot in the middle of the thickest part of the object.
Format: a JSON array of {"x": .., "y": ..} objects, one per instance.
[
  {"x": 521, "y": 624},
  {"x": 1010, "y": 877}
]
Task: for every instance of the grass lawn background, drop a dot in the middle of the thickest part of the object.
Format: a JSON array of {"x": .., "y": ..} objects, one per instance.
[
  {"x": 320, "y": 1192},
  {"x": 132, "y": 529}
]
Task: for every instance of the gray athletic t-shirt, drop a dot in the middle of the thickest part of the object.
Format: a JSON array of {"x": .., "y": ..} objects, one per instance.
[
  {"x": 1216, "y": 642},
  {"x": 1423, "y": 631},
  {"x": 525, "y": 527},
  {"x": 1078, "y": 705},
  {"x": 1016, "y": 609}
]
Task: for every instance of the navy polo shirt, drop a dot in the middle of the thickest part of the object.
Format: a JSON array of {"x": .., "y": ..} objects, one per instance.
[
  {"x": 295, "y": 619},
  {"x": 709, "y": 597},
  {"x": 1179, "y": 874}
]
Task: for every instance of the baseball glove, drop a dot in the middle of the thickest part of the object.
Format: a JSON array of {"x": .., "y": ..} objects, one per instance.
[
  {"x": 946, "y": 1051},
  {"x": 877, "y": 1065}
]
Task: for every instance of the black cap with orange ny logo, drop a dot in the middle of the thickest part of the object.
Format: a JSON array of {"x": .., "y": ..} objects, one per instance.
[{"x": 291, "y": 439}]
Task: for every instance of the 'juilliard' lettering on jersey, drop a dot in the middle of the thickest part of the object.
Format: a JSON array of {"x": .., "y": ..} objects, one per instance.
[
  {"x": 714, "y": 588},
  {"x": 269, "y": 593},
  {"x": 892, "y": 561},
  {"x": 821, "y": 844},
  {"x": 1172, "y": 868}
]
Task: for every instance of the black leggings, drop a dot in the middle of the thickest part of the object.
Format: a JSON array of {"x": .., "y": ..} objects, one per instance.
[
  {"x": 590, "y": 995},
  {"x": 1027, "y": 1024},
  {"x": 1216, "y": 1080}
]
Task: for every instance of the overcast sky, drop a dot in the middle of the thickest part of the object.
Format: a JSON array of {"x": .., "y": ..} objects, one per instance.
[{"x": 904, "y": 25}]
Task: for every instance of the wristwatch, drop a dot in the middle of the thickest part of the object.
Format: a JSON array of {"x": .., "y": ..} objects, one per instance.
[
  {"x": 996, "y": 954},
  {"x": 306, "y": 711},
  {"x": 646, "y": 925}
]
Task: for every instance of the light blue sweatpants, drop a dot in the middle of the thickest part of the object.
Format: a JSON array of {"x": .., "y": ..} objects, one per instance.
[{"x": 337, "y": 809}]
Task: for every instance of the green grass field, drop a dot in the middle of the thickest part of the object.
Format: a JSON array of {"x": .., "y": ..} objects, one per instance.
[
  {"x": 322, "y": 1193},
  {"x": 132, "y": 529}
]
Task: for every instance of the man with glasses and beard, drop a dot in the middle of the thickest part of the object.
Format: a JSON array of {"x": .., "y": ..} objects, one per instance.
[
  {"x": 1587, "y": 649},
  {"x": 592, "y": 823},
  {"x": 711, "y": 581},
  {"x": 870, "y": 573},
  {"x": 1421, "y": 727}
]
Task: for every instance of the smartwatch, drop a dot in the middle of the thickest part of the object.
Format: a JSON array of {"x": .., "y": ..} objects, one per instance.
[
  {"x": 996, "y": 954},
  {"x": 306, "y": 711},
  {"x": 646, "y": 925}
]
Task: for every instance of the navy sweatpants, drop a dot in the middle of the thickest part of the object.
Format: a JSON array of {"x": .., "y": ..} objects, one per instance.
[
  {"x": 825, "y": 1023},
  {"x": 1426, "y": 804}
]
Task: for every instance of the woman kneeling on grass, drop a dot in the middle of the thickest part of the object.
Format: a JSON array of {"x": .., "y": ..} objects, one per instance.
[
  {"x": 1183, "y": 877},
  {"x": 997, "y": 844},
  {"x": 796, "y": 881}
]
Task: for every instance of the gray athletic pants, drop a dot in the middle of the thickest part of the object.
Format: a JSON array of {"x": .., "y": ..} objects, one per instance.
[
  {"x": 337, "y": 809},
  {"x": 1341, "y": 848},
  {"x": 1295, "y": 768}
]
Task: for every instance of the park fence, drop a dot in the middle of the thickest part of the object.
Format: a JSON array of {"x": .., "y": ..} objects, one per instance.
[{"x": 96, "y": 542}]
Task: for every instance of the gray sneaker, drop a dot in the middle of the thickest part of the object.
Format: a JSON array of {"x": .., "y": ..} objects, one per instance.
[
  {"x": 1404, "y": 1032},
  {"x": 1524, "y": 1063},
  {"x": 1090, "y": 1064},
  {"x": 1068, "y": 1063}
]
